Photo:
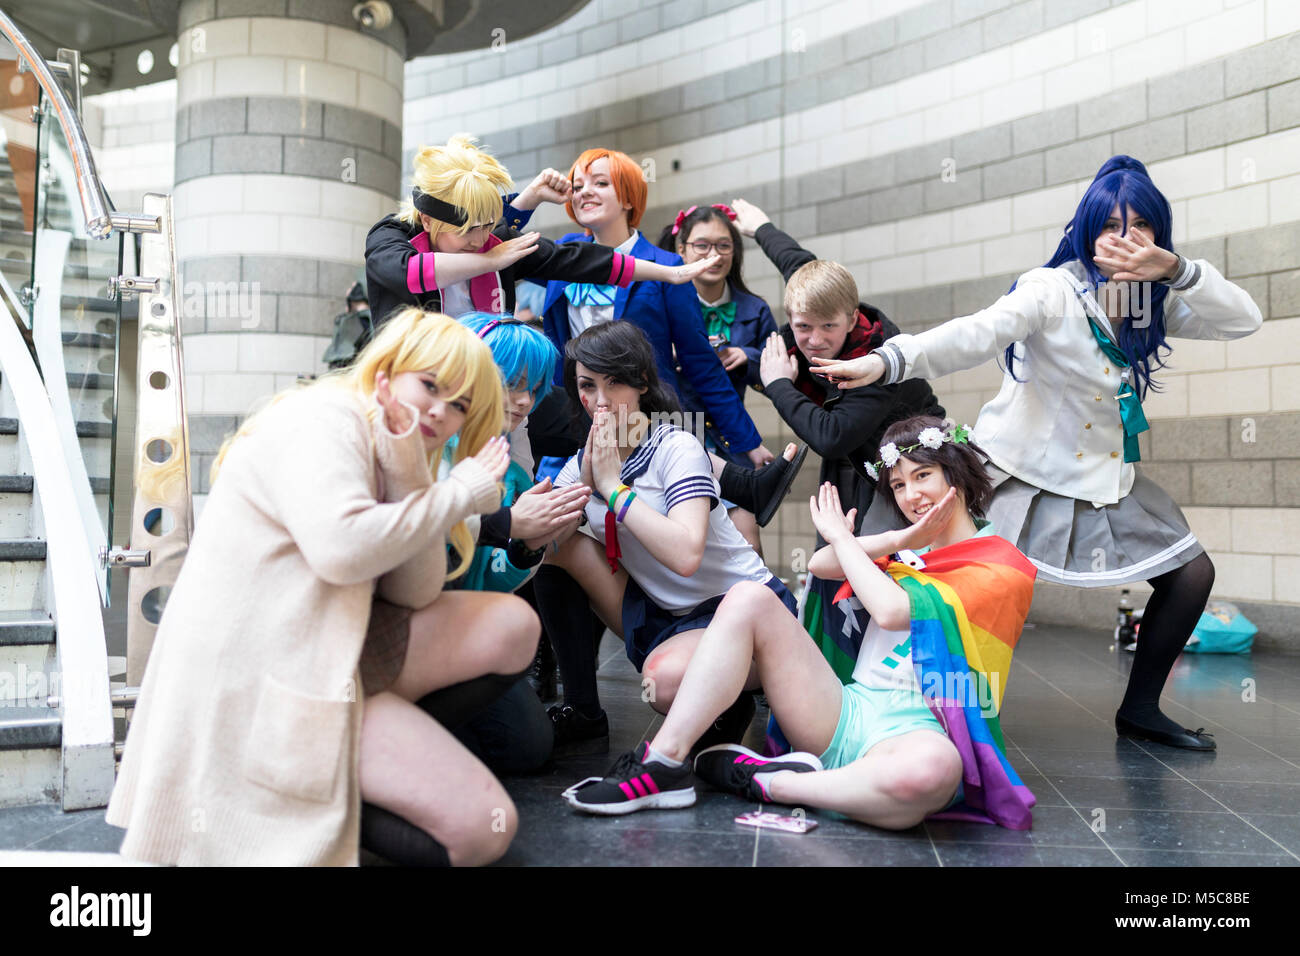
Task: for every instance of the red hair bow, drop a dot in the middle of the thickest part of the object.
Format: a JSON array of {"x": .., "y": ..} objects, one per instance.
[{"x": 682, "y": 214}]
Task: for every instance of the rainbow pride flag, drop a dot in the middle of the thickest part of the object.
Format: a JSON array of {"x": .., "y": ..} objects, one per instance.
[{"x": 969, "y": 604}]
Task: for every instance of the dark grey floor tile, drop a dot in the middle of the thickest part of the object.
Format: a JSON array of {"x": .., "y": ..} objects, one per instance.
[
  {"x": 1258, "y": 767},
  {"x": 818, "y": 849},
  {"x": 632, "y": 846},
  {"x": 88, "y": 835},
  {"x": 1123, "y": 759},
  {"x": 1181, "y": 858},
  {"x": 1183, "y": 830},
  {"x": 979, "y": 854},
  {"x": 1282, "y": 827},
  {"x": 20, "y": 827},
  {"x": 1055, "y": 826},
  {"x": 1247, "y": 798},
  {"x": 1135, "y": 793}
]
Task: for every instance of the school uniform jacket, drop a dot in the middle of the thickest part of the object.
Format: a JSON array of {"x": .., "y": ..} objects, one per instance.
[
  {"x": 400, "y": 268},
  {"x": 1059, "y": 428},
  {"x": 846, "y": 427},
  {"x": 670, "y": 317}
]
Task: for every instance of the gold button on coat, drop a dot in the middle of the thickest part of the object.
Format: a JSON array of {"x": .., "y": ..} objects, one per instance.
[{"x": 1114, "y": 454}]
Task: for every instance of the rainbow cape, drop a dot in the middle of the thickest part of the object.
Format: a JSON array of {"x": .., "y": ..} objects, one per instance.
[{"x": 969, "y": 604}]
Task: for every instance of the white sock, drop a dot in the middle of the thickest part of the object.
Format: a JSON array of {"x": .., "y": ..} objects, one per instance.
[{"x": 652, "y": 754}]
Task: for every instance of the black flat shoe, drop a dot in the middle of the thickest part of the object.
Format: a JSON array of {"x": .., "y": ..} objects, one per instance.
[
  {"x": 768, "y": 511},
  {"x": 1187, "y": 740}
]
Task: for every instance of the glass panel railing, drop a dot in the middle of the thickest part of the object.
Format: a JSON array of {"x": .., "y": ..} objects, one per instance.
[
  {"x": 19, "y": 96},
  {"x": 74, "y": 329}
]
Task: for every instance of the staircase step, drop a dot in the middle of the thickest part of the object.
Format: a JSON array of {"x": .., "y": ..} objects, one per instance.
[
  {"x": 22, "y": 549},
  {"x": 23, "y": 727},
  {"x": 19, "y": 484},
  {"x": 9, "y": 426},
  {"x": 26, "y": 627}
]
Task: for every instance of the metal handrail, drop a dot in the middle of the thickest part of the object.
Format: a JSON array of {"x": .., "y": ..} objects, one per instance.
[{"x": 94, "y": 198}]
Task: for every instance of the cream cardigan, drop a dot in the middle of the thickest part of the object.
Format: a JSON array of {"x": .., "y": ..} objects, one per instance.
[{"x": 244, "y": 744}]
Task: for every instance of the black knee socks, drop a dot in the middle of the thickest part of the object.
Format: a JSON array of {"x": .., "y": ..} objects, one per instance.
[
  {"x": 1176, "y": 604},
  {"x": 569, "y": 623},
  {"x": 452, "y": 706},
  {"x": 398, "y": 840}
]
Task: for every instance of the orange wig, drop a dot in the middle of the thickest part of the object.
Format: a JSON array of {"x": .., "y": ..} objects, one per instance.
[{"x": 628, "y": 179}]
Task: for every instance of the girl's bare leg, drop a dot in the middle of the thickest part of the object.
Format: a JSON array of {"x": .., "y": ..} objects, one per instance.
[
  {"x": 584, "y": 558},
  {"x": 753, "y": 627},
  {"x": 412, "y": 766},
  {"x": 896, "y": 785},
  {"x": 747, "y": 525},
  {"x": 662, "y": 673}
]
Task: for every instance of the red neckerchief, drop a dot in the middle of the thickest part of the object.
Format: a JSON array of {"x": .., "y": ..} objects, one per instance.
[{"x": 862, "y": 338}]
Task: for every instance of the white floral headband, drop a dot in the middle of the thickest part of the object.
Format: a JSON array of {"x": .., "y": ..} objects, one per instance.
[{"x": 932, "y": 438}]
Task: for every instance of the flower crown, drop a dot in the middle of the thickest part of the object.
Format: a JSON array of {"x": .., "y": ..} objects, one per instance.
[
  {"x": 682, "y": 214},
  {"x": 932, "y": 438}
]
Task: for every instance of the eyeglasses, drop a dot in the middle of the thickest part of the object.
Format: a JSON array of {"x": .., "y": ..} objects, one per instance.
[{"x": 703, "y": 246}]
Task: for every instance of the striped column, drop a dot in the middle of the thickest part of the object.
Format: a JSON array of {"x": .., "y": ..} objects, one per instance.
[{"x": 288, "y": 148}]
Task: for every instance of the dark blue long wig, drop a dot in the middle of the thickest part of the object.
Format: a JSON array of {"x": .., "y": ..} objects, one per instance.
[{"x": 1122, "y": 181}]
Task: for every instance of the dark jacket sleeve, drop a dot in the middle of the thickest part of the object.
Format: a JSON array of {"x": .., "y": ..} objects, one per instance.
[
  {"x": 766, "y": 326},
  {"x": 786, "y": 254},
  {"x": 388, "y": 250},
  {"x": 494, "y": 529},
  {"x": 701, "y": 367},
  {"x": 845, "y": 426},
  {"x": 572, "y": 262}
]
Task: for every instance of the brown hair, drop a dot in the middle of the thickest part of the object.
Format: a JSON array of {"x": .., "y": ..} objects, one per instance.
[{"x": 962, "y": 463}]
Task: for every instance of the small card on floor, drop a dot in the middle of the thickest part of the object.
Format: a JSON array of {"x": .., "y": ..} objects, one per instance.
[{"x": 766, "y": 820}]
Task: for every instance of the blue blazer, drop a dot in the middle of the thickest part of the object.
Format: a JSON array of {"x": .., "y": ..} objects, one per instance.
[{"x": 670, "y": 317}]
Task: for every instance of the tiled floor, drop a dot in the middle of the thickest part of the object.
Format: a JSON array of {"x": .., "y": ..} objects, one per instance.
[{"x": 1101, "y": 801}]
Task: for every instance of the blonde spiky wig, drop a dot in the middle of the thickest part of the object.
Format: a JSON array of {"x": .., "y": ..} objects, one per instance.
[
  {"x": 463, "y": 174},
  {"x": 417, "y": 341}
]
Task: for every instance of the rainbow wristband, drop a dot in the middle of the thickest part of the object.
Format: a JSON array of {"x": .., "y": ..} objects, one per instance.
[
  {"x": 613, "y": 497},
  {"x": 627, "y": 504}
]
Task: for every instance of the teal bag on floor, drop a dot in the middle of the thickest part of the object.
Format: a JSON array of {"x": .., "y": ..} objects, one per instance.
[{"x": 1222, "y": 629}]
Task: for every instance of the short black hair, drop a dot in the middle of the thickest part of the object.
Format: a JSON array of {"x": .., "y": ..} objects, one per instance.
[
  {"x": 621, "y": 351},
  {"x": 962, "y": 463}
]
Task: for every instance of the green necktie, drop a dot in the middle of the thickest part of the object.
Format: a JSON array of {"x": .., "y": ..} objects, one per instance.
[
  {"x": 1130, "y": 407},
  {"x": 718, "y": 319}
]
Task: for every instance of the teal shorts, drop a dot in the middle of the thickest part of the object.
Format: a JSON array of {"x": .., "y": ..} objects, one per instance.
[{"x": 869, "y": 715}]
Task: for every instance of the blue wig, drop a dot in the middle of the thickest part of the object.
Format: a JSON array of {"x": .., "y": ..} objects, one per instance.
[
  {"x": 1122, "y": 181},
  {"x": 525, "y": 356}
]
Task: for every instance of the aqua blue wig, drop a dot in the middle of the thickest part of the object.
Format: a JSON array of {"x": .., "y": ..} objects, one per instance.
[
  {"x": 1122, "y": 181},
  {"x": 525, "y": 356}
]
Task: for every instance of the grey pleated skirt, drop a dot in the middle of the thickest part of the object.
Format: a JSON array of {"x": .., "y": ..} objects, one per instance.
[{"x": 1140, "y": 537}]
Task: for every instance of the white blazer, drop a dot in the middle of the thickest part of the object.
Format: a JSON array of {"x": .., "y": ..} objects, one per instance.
[{"x": 1059, "y": 428}]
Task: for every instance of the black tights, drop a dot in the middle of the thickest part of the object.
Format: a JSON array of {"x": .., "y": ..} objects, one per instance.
[
  {"x": 574, "y": 631},
  {"x": 1174, "y": 608},
  {"x": 395, "y": 838}
]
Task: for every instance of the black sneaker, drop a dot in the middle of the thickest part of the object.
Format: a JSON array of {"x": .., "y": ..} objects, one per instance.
[
  {"x": 634, "y": 783},
  {"x": 577, "y": 734},
  {"x": 735, "y": 769},
  {"x": 730, "y": 727}
]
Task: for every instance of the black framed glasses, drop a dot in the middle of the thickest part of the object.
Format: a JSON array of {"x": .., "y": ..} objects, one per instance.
[{"x": 702, "y": 246}]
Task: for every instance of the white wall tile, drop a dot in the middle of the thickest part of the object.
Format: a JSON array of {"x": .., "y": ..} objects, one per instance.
[
  {"x": 234, "y": 393},
  {"x": 249, "y": 76},
  {"x": 1192, "y": 175},
  {"x": 1225, "y": 213},
  {"x": 924, "y": 232},
  {"x": 258, "y": 352},
  {"x": 952, "y": 264},
  {"x": 1228, "y": 31},
  {"x": 1227, "y": 393},
  {"x": 981, "y": 220},
  {"x": 1170, "y": 401},
  {"x": 1266, "y": 530},
  {"x": 215, "y": 39},
  {"x": 276, "y": 36},
  {"x": 1265, "y": 157},
  {"x": 1245, "y": 576},
  {"x": 217, "y": 352},
  {"x": 982, "y": 71},
  {"x": 1276, "y": 342},
  {"x": 1044, "y": 207},
  {"x": 1012, "y": 100},
  {"x": 1041, "y": 52}
]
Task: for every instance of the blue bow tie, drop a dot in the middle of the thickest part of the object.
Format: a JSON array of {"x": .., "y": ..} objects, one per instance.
[{"x": 585, "y": 293}]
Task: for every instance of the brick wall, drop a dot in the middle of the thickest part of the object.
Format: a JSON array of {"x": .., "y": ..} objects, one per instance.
[{"x": 937, "y": 148}]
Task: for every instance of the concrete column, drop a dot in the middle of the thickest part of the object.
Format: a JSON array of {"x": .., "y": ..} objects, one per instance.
[{"x": 288, "y": 148}]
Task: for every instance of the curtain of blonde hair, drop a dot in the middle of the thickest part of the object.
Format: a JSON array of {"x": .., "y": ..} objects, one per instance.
[
  {"x": 417, "y": 341},
  {"x": 462, "y": 174}
]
